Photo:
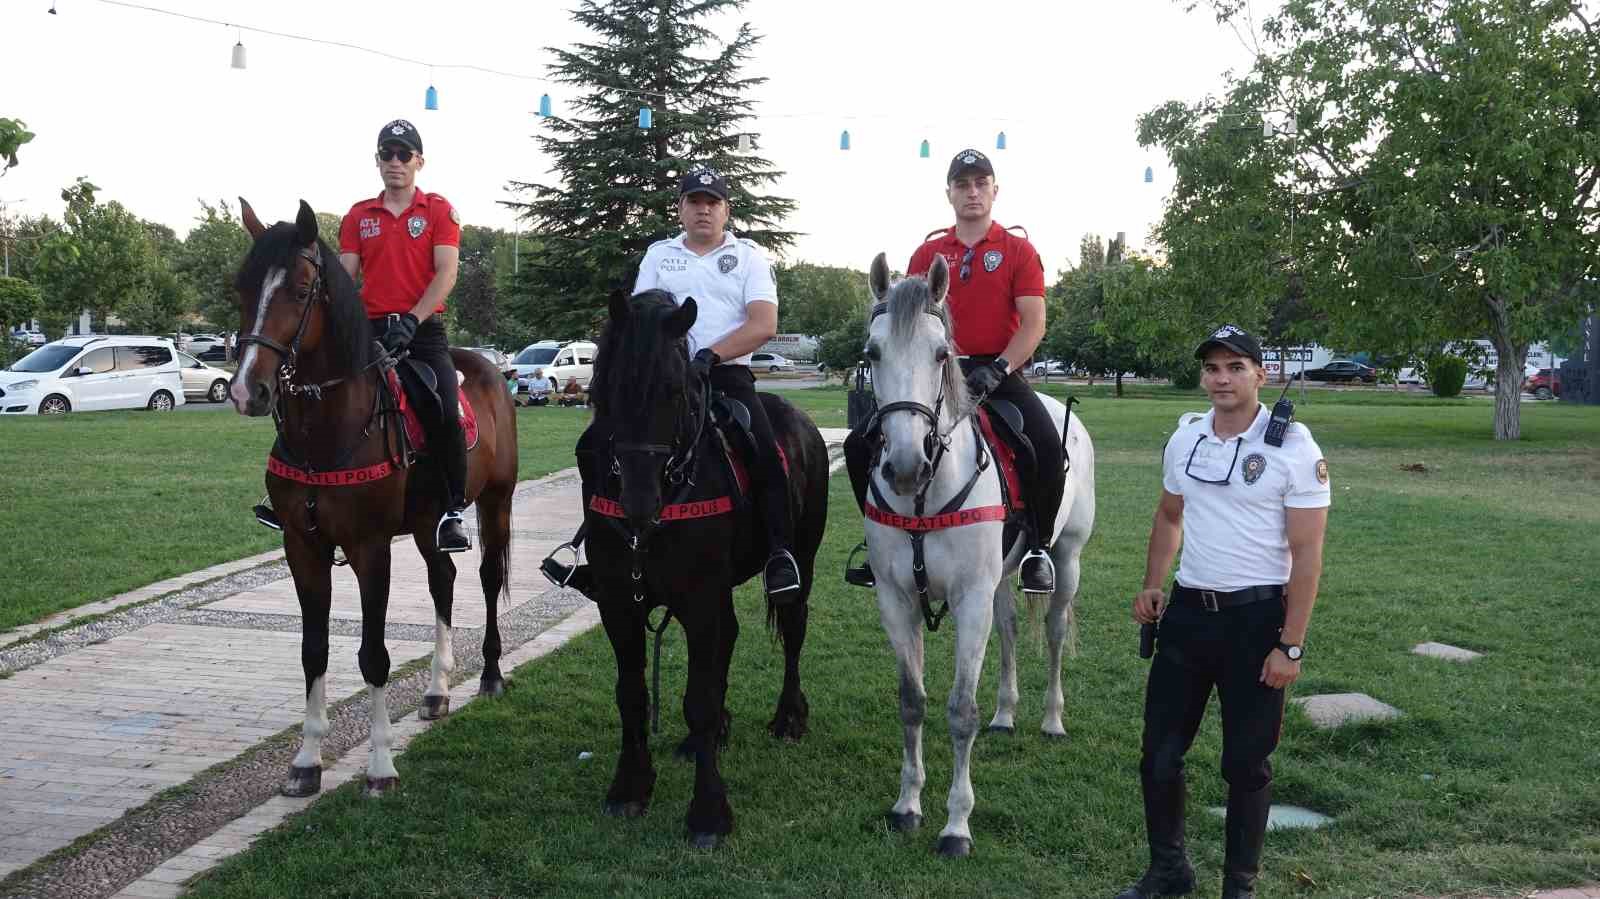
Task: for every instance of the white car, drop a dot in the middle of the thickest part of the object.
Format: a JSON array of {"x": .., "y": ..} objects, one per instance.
[
  {"x": 1048, "y": 367},
  {"x": 202, "y": 381},
  {"x": 200, "y": 343},
  {"x": 88, "y": 373},
  {"x": 769, "y": 362},
  {"x": 31, "y": 338}
]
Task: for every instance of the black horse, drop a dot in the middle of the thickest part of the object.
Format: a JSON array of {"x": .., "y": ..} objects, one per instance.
[{"x": 668, "y": 527}]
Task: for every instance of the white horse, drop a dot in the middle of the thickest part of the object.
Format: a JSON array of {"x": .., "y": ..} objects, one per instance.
[{"x": 923, "y": 403}]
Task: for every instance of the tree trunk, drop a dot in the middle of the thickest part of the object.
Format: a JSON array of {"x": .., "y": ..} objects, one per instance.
[
  {"x": 1511, "y": 356},
  {"x": 1119, "y": 385}
]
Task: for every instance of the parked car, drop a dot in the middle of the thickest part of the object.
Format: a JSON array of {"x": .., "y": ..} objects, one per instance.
[
  {"x": 31, "y": 338},
  {"x": 1049, "y": 367},
  {"x": 88, "y": 373},
  {"x": 1544, "y": 384},
  {"x": 202, "y": 381},
  {"x": 217, "y": 352},
  {"x": 1342, "y": 370},
  {"x": 771, "y": 362},
  {"x": 1409, "y": 375}
]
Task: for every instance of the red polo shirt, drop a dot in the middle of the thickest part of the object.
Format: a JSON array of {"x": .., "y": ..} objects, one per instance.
[
  {"x": 397, "y": 250},
  {"x": 983, "y": 308}
]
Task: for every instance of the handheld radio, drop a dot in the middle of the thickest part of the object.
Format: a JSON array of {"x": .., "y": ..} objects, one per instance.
[{"x": 1282, "y": 414}]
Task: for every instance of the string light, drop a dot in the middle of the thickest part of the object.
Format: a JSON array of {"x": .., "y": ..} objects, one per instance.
[
  {"x": 1149, "y": 175},
  {"x": 238, "y": 53},
  {"x": 844, "y": 139},
  {"x": 544, "y": 105},
  {"x": 430, "y": 100},
  {"x": 925, "y": 148},
  {"x": 644, "y": 118},
  {"x": 1000, "y": 142}
]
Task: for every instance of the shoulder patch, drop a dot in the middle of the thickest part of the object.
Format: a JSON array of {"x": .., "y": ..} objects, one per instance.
[
  {"x": 455, "y": 215},
  {"x": 1322, "y": 471}
]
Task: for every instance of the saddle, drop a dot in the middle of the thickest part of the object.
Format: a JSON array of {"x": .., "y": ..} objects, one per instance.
[
  {"x": 732, "y": 419},
  {"x": 412, "y": 385}
]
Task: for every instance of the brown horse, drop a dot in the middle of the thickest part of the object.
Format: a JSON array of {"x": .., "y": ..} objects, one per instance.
[{"x": 339, "y": 477}]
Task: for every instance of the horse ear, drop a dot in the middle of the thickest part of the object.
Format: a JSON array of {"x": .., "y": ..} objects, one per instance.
[
  {"x": 878, "y": 280},
  {"x": 619, "y": 305},
  {"x": 305, "y": 225},
  {"x": 682, "y": 319},
  {"x": 251, "y": 223},
  {"x": 938, "y": 279}
]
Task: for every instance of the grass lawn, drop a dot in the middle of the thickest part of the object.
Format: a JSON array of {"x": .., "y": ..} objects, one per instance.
[
  {"x": 94, "y": 504},
  {"x": 1488, "y": 784}
]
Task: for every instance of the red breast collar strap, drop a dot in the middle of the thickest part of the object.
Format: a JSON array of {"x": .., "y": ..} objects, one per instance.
[
  {"x": 954, "y": 519},
  {"x": 349, "y": 477},
  {"x": 700, "y": 508}
]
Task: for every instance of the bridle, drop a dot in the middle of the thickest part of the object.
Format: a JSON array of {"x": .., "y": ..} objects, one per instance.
[{"x": 937, "y": 440}]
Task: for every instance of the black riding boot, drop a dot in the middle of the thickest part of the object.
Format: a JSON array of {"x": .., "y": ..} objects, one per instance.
[
  {"x": 1170, "y": 873},
  {"x": 451, "y": 454},
  {"x": 1247, "y": 833},
  {"x": 1038, "y": 569},
  {"x": 578, "y": 577}
]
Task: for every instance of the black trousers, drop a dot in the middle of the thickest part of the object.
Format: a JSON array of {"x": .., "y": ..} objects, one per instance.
[
  {"x": 446, "y": 442},
  {"x": 1045, "y": 484},
  {"x": 1195, "y": 651},
  {"x": 770, "y": 485}
]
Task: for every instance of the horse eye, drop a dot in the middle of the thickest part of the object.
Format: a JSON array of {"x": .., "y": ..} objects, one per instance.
[
  {"x": 871, "y": 352},
  {"x": 943, "y": 354}
]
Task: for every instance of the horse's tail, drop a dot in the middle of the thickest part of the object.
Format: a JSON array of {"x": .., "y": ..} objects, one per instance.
[{"x": 1036, "y": 606}]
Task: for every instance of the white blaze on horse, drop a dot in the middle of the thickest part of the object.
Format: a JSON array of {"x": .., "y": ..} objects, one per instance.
[{"x": 944, "y": 491}]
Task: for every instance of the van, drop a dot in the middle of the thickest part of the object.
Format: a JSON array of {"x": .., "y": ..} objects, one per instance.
[
  {"x": 572, "y": 360},
  {"x": 93, "y": 372}
]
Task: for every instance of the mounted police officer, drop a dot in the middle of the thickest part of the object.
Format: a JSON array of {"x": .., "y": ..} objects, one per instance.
[
  {"x": 997, "y": 316},
  {"x": 1248, "y": 503},
  {"x": 731, "y": 282},
  {"x": 405, "y": 244}
]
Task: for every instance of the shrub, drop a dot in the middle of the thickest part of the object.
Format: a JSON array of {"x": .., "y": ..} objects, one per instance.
[
  {"x": 1185, "y": 375},
  {"x": 1446, "y": 375}
]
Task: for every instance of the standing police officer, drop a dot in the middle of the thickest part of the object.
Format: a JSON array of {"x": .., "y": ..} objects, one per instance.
[
  {"x": 406, "y": 243},
  {"x": 1250, "y": 517},
  {"x": 997, "y": 318}
]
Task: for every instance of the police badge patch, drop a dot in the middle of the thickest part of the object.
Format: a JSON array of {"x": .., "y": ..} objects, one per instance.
[
  {"x": 1254, "y": 465},
  {"x": 992, "y": 260},
  {"x": 416, "y": 225},
  {"x": 726, "y": 263},
  {"x": 1322, "y": 471}
]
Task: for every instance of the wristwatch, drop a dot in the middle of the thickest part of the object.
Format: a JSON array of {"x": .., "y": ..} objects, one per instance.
[
  {"x": 1002, "y": 364},
  {"x": 1293, "y": 650}
]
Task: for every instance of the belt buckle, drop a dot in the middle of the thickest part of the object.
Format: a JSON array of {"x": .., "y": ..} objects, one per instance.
[{"x": 1208, "y": 600}]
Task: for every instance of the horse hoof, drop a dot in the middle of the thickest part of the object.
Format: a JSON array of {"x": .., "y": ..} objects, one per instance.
[
  {"x": 904, "y": 823},
  {"x": 1052, "y": 737},
  {"x": 951, "y": 846},
  {"x": 630, "y": 809},
  {"x": 1001, "y": 729},
  {"x": 434, "y": 707},
  {"x": 492, "y": 688},
  {"x": 303, "y": 781},
  {"x": 378, "y": 786},
  {"x": 705, "y": 840}
]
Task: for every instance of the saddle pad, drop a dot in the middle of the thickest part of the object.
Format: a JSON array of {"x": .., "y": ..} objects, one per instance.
[
  {"x": 741, "y": 472},
  {"x": 414, "y": 430},
  {"x": 1005, "y": 456}
]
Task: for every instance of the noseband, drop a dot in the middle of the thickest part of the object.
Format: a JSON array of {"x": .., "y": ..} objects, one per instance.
[{"x": 289, "y": 355}]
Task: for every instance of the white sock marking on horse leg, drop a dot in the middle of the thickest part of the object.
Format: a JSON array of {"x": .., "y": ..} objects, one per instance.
[
  {"x": 1005, "y": 611},
  {"x": 381, "y": 762},
  {"x": 269, "y": 286},
  {"x": 444, "y": 659},
  {"x": 315, "y": 727},
  {"x": 974, "y": 617},
  {"x": 1058, "y": 623}
]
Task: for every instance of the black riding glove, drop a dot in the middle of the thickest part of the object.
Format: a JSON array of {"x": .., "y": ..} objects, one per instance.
[
  {"x": 703, "y": 361},
  {"x": 400, "y": 333},
  {"x": 983, "y": 380}
]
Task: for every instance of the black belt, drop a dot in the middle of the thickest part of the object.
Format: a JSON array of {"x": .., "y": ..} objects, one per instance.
[{"x": 1216, "y": 600}]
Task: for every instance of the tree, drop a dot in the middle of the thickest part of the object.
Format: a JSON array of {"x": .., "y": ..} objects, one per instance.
[
  {"x": 13, "y": 134},
  {"x": 1092, "y": 308},
  {"x": 815, "y": 299},
  {"x": 19, "y": 303},
  {"x": 1440, "y": 183},
  {"x": 211, "y": 256},
  {"x": 475, "y": 302},
  {"x": 101, "y": 260},
  {"x": 617, "y": 191}
]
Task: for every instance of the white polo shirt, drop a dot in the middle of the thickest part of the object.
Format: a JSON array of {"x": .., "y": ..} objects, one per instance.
[
  {"x": 723, "y": 282},
  {"x": 1235, "y": 535}
]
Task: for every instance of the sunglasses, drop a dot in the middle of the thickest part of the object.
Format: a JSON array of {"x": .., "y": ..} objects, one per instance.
[
  {"x": 1222, "y": 483},
  {"x": 387, "y": 153},
  {"x": 966, "y": 264}
]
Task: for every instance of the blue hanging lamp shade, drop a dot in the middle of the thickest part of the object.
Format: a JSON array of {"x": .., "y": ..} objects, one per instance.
[
  {"x": 924, "y": 152},
  {"x": 544, "y": 105},
  {"x": 1000, "y": 142},
  {"x": 844, "y": 139},
  {"x": 1149, "y": 175},
  {"x": 644, "y": 117},
  {"x": 431, "y": 101}
]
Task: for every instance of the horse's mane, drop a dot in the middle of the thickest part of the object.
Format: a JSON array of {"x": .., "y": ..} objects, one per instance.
[
  {"x": 633, "y": 357},
  {"x": 909, "y": 299},
  {"x": 349, "y": 337}
]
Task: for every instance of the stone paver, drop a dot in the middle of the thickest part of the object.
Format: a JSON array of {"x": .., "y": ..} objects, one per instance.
[
  {"x": 1336, "y": 709},
  {"x": 1445, "y": 651}
]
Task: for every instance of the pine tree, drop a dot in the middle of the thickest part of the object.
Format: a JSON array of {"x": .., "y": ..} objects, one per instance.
[{"x": 618, "y": 183}]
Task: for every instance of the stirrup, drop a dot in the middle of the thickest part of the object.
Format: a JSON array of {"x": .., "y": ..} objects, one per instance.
[
  {"x": 795, "y": 566},
  {"x": 1050, "y": 567},
  {"x": 266, "y": 516},
  {"x": 554, "y": 571},
  {"x": 859, "y": 575},
  {"x": 455, "y": 516}
]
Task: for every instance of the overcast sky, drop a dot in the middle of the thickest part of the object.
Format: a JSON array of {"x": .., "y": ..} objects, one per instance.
[{"x": 147, "y": 107}]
